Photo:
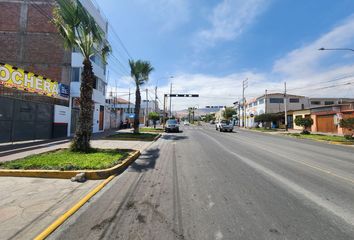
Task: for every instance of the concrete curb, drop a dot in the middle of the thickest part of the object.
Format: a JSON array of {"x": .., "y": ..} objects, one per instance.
[
  {"x": 130, "y": 139},
  {"x": 89, "y": 174},
  {"x": 51, "y": 228},
  {"x": 157, "y": 137}
]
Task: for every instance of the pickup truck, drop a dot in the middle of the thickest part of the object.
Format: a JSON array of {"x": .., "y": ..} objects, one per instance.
[{"x": 224, "y": 126}]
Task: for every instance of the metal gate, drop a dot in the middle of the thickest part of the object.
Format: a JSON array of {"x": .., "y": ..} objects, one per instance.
[{"x": 24, "y": 120}]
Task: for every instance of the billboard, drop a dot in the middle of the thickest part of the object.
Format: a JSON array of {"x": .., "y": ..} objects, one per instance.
[{"x": 13, "y": 77}]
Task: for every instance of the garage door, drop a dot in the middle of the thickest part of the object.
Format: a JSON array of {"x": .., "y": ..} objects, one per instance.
[
  {"x": 326, "y": 124},
  {"x": 24, "y": 120}
]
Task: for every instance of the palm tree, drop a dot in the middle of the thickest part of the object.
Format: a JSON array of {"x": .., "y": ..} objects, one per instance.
[
  {"x": 140, "y": 71},
  {"x": 80, "y": 30}
]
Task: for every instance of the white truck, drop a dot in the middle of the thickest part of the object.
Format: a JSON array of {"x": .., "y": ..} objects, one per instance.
[{"x": 224, "y": 126}]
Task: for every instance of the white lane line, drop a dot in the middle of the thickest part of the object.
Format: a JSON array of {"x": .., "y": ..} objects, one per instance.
[{"x": 336, "y": 210}]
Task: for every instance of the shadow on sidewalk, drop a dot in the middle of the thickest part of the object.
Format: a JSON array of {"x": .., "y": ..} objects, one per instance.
[{"x": 146, "y": 161}]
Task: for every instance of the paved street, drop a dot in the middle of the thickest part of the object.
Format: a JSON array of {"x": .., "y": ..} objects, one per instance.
[{"x": 203, "y": 184}]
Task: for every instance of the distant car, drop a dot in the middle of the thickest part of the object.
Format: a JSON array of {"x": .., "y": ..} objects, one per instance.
[
  {"x": 171, "y": 126},
  {"x": 186, "y": 123},
  {"x": 224, "y": 126},
  {"x": 212, "y": 122}
]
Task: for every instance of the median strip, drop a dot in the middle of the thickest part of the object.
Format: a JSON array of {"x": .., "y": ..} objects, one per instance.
[{"x": 92, "y": 174}]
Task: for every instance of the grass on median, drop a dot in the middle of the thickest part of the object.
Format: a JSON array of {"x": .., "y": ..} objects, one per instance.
[
  {"x": 264, "y": 129},
  {"x": 152, "y": 130},
  {"x": 133, "y": 136},
  {"x": 328, "y": 138},
  {"x": 64, "y": 159}
]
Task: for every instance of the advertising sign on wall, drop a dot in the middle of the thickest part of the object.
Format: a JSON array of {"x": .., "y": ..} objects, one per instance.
[{"x": 13, "y": 77}]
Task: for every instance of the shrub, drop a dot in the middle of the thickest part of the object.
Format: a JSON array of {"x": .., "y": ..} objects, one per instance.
[
  {"x": 268, "y": 117},
  {"x": 348, "y": 137},
  {"x": 347, "y": 123},
  {"x": 305, "y": 123}
]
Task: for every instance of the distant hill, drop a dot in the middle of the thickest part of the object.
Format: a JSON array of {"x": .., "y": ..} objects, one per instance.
[{"x": 198, "y": 112}]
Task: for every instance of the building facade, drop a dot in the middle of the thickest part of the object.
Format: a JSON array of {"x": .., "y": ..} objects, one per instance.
[
  {"x": 32, "y": 49},
  {"x": 270, "y": 103},
  {"x": 29, "y": 41},
  {"x": 100, "y": 84}
]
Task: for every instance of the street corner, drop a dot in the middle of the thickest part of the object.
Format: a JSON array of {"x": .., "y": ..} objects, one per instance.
[{"x": 29, "y": 205}]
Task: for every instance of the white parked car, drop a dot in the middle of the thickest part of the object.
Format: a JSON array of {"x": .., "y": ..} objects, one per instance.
[
  {"x": 224, "y": 126},
  {"x": 186, "y": 123}
]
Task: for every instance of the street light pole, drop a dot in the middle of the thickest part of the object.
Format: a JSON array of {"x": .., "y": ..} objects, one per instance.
[
  {"x": 285, "y": 108},
  {"x": 336, "y": 49},
  {"x": 171, "y": 101}
]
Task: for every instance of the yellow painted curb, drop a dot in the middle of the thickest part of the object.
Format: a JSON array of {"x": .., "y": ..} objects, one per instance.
[
  {"x": 71, "y": 211},
  {"x": 89, "y": 174}
]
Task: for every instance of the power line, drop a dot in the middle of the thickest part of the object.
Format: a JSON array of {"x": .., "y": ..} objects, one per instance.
[{"x": 120, "y": 41}]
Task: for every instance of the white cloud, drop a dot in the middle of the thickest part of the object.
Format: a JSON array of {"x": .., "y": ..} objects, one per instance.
[
  {"x": 169, "y": 14},
  {"x": 306, "y": 70},
  {"x": 308, "y": 60},
  {"x": 230, "y": 18}
]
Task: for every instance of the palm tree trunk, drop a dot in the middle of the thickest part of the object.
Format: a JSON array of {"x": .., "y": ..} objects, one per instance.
[
  {"x": 83, "y": 132},
  {"x": 137, "y": 109}
]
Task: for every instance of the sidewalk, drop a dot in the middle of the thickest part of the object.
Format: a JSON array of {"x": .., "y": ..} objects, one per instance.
[{"x": 29, "y": 205}]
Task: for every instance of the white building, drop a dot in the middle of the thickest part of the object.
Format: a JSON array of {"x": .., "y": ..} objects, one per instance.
[
  {"x": 99, "y": 69},
  {"x": 124, "y": 108},
  {"x": 270, "y": 103},
  {"x": 274, "y": 103}
]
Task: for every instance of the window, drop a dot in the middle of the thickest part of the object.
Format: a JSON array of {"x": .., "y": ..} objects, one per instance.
[
  {"x": 75, "y": 74},
  {"x": 329, "y": 102},
  {"x": 260, "y": 101},
  {"x": 255, "y": 104},
  {"x": 276, "y": 100},
  {"x": 294, "y": 100},
  {"x": 315, "y": 102}
]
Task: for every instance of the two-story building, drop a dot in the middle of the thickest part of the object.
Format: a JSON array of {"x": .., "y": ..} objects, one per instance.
[{"x": 270, "y": 103}]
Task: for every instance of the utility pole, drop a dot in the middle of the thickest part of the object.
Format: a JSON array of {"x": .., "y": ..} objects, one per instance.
[
  {"x": 156, "y": 99},
  {"x": 147, "y": 109},
  {"x": 171, "y": 101},
  {"x": 129, "y": 102},
  {"x": 164, "y": 110},
  {"x": 244, "y": 86},
  {"x": 285, "y": 110}
]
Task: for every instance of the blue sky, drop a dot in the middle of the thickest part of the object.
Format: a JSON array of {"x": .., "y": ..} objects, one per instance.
[{"x": 211, "y": 46}]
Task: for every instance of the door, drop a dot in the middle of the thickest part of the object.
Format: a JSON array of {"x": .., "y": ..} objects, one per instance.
[
  {"x": 326, "y": 124},
  {"x": 101, "y": 118}
]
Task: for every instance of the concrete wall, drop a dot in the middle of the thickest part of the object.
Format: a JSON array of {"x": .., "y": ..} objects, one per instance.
[{"x": 303, "y": 114}]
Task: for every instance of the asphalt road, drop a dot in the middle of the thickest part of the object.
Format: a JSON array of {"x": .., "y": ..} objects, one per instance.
[{"x": 203, "y": 184}]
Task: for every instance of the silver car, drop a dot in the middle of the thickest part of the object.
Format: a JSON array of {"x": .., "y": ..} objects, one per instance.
[{"x": 172, "y": 126}]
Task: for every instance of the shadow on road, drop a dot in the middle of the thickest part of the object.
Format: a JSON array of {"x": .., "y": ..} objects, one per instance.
[
  {"x": 146, "y": 161},
  {"x": 173, "y": 137}
]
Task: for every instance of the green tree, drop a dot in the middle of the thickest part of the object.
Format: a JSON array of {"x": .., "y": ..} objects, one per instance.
[
  {"x": 229, "y": 112},
  {"x": 347, "y": 123},
  {"x": 80, "y": 30},
  {"x": 139, "y": 71},
  {"x": 305, "y": 123},
  {"x": 154, "y": 116},
  {"x": 209, "y": 117},
  {"x": 268, "y": 117}
]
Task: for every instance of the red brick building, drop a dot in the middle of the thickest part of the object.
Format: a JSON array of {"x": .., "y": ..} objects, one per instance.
[{"x": 30, "y": 41}]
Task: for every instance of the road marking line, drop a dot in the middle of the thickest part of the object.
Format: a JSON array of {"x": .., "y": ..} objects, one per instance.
[
  {"x": 72, "y": 210},
  {"x": 306, "y": 164},
  {"x": 336, "y": 210}
]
